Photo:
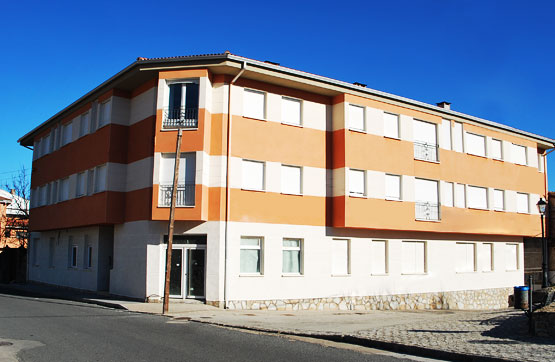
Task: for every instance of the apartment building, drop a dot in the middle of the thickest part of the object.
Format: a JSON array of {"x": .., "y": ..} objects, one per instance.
[{"x": 296, "y": 191}]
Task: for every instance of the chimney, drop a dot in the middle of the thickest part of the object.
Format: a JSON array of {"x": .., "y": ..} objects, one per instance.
[{"x": 445, "y": 105}]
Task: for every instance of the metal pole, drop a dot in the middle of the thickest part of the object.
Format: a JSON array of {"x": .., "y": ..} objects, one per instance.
[
  {"x": 530, "y": 310},
  {"x": 544, "y": 258},
  {"x": 170, "y": 228}
]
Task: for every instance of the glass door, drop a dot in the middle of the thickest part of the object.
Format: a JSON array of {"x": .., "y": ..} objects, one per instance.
[
  {"x": 195, "y": 272},
  {"x": 176, "y": 273}
]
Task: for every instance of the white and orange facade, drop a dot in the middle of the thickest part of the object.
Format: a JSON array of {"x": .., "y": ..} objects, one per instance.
[{"x": 295, "y": 191}]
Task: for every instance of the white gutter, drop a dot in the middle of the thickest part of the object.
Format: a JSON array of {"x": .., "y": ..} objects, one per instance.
[{"x": 227, "y": 189}]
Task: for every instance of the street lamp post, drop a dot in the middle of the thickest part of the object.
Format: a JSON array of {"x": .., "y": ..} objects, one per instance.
[{"x": 542, "y": 205}]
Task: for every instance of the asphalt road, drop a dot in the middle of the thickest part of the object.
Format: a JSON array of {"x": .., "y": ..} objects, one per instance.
[{"x": 39, "y": 329}]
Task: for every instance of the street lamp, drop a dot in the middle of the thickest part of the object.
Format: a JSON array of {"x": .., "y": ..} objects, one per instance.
[{"x": 542, "y": 204}]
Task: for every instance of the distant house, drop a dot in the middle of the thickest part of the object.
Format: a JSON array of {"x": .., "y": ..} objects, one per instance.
[{"x": 14, "y": 217}]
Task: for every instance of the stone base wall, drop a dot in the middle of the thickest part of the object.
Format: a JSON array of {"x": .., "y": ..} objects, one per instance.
[{"x": 467, "y": 299}]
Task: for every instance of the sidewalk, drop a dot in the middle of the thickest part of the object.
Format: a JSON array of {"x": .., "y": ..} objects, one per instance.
[{"x": 453, "y": 335}]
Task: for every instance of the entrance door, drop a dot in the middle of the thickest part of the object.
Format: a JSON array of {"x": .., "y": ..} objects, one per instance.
[
  {"x": 187, "y": 276},
  {"x": 195, "y": 273},
  {"x": 176, "y": 288}
]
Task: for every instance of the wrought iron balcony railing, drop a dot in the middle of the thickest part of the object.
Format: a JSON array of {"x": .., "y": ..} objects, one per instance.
[
  {"x": 185, "y": 195},
  {"x": 426, "y": 211},
  {"x": 425, "y": 151},
  {"x": 180, "y": 118}
]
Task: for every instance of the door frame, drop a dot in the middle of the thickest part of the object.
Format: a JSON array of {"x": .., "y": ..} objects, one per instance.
[{"x": 183, "y": 248}]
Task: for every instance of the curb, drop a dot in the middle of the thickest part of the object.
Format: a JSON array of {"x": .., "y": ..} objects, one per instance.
[
  {"x": 54, "y": 295},
  {"x": 365, "y": 342}
]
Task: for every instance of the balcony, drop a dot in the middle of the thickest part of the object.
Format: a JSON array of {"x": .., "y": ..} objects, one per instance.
[
  {"x": 180, "y": 118},
  {"x": 185, "y": 195},
  {"x": 426, "y": 151},
  {"x": 427, "y": 211}
]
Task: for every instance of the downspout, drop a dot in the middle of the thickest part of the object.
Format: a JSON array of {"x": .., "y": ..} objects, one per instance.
[{"x": 227, "y": 190}]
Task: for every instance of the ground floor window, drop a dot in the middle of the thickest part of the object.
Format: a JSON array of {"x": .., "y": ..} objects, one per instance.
[
  {"x": 292, "y": 256},
  {"x": 251, "y": 255}
]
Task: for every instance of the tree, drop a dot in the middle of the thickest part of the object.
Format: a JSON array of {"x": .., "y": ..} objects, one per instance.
[{"x": 14, "y": 221}]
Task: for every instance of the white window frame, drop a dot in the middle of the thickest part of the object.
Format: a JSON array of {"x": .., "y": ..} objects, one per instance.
[
  {"x": 481, "y": 257},
  {"x": 290, "y": 192},
  {"x": 515, "y": 147},
  {"x": 68, "y": 125},
  {"x": 481, "y": 152},
  {"x": 521, "y": 211},
  {"x": 451, "y": 187},
  {"x": 495, "y": 206},
  {"x": 81, "y": 188},
  {"x": 85, "y": 128},
  {"x": 259, "y": 247},
  {"x": 264, "y": 104},
  {"x": 470, "y": 189},
  {"x": 500, "y": 143},
  {"x": 508, "y": 254},
  {"x": 354, "y": 128},
  {"x": 73, "y": 254},
  {"x": 293, "y": 248},
  {"x": 333, "y": 258},
  {"x": 97, "y": 188},
  {"x": 389, "y": 176},
  {"x": 397, "y": 126},
  {"x": 355, "y": 193},
  {"x": 246, "y": 187},
  {"x": 285, "y": 99},
  {"x": 386, "y": 257},
  {"x": 102, "y": 106},
  {"x": 466, "y": 268},
  {"x": 425, "y": 261}
]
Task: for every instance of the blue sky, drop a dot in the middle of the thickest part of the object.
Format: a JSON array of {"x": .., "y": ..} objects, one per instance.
[{"x": 491, "y": 59}]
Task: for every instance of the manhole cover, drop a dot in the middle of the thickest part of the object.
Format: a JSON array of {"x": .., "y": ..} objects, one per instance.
[{"x": 6, "y": 344}]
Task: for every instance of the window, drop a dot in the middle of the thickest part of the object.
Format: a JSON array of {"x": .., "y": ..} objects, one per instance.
[
  {"x": 81, "y": 178},
  {"x": 291, "y": 180},
  {"x": 425, "y": 141},
  {"x": 251, "y": 255},
  {"x": 67, "y": 133},
  {"x": 393, "y": 187},
  {"x": 540, "y": 163},
  {"x": 43, "y": 195},
  {"x": 291, "y": 111},
  {"x": 254, "y": 104},
  {"x": 84, "y": 126},
  {"x": 460, "y": 199},
  {"x": 519, "y": 154},
  {"x": 458, "y": 137},
  {"x": 356, "y": 118},
  {"x": 357, "y": 182},
  {"x": 476, "y": 144},
  {"x": 378, "y": 257},
  {"x": 87, "y": 257},
  {"x": 522, "y": 203},
  {"x": 446, "y": 133},
  {"x": 46, "y": 144},
  {"x": 511, "y": 256},
  {"x": 496, "y": 149},
  {"x": 426, "y": 199},
  {"x": 391, "y": 125},
  {"x": 100, "y": 179},
  {"x": 72, "y": 253},
  {"x": 51, "y": 251},
  {"x": 447, "y": 194},
  {"x": 292, "y": 256},
  {"x": 477, "y": 197},
  {"x": 486, "y": 257},
  {"x": 340, "y": 257},
  {"x": 90, "y": 181},
  {"x": 54, "y": 195},
  {"x": 498, "y": 200},
  {"x": 414, "y": 257},
  {"x": 63, "y": 192},
  {"x": 465, "y": 257},
  {"x": 104, "y": 112},
  {"x": 36, "y": 149},
  {"x": 253, "y": 175}
]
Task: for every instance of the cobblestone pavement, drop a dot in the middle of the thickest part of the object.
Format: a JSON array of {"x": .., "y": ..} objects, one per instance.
[{"x": 499, "y": 334}]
